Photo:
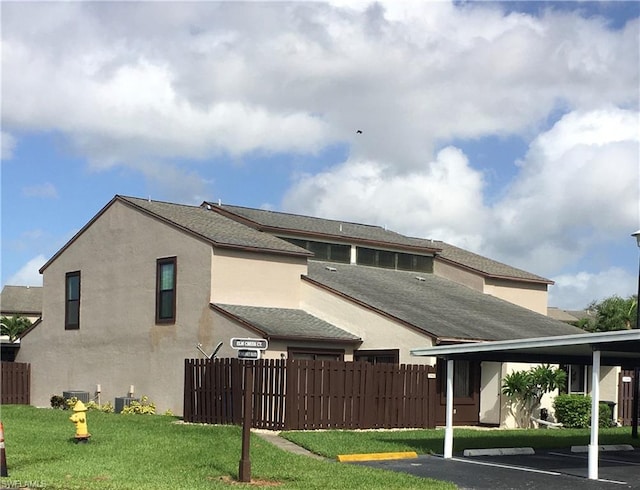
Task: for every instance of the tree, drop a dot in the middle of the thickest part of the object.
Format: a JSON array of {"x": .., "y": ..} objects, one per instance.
[
  {"x": 613, "y": 313},
  {"x": 14, "y": 326},
  {"x": 526, "y": 388}
]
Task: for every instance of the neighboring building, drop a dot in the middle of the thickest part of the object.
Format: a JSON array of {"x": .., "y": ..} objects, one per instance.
[
  {"x": 145, "y": 283},
  {"x": 24, "y": 301},
  {"x": 18, "y": 301}
]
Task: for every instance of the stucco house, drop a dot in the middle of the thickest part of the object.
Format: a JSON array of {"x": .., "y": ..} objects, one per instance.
[{"x": 145, "y": 284}]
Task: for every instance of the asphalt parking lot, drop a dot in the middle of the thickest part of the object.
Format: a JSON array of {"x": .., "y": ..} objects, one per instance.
[{"x": 546, "y": 469}]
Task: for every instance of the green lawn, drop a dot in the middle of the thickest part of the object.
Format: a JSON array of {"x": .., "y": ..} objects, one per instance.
[
  {"x": 332, "y": 443},
  {"x": 155, "y": 452}
]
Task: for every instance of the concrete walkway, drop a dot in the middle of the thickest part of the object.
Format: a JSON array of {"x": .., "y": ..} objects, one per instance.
[{"x": 274, "y": 438}]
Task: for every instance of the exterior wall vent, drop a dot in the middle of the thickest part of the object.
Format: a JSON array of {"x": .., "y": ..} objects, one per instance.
[
  {"x": 331, "y": 269},
  {"x": 421, "y": 279}
]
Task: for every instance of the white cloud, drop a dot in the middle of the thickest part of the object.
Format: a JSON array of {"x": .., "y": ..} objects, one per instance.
[
  {"x": 8, "y": 143},
  {"x": 442, "y": 200},
  {"x": 46, "y": 190},
  {"x": 28, "y": 274},
  {"x": 577, "y": 188},
  {"x": 140, "y": 81},
  {"x": 577, "y": 291}
]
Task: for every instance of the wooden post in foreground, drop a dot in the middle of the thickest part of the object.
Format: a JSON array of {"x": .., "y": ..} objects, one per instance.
[{"x": 244, "y": 472}]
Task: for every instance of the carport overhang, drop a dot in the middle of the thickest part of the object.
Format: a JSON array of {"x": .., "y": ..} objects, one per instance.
[{"x": 619, "y": 348}]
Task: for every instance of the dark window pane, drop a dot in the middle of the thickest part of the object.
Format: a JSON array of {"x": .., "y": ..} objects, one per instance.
[
  {"x": 405, "y": 262},
  {"x": 340, "y": 253},
  {"x": 320, "y": 250},
  {"x": 166, "y": 304},
  {"x": 73, "y": 313},
  {"x": 386, "y": 259},
  {"x": 365, "y": 256},
  {"x": 423, "y": 264}
]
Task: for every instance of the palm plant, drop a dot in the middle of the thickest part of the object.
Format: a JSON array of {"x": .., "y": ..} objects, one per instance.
[
  {"x": 13, "y": 326},
  {"x": 526, "y": 388}
]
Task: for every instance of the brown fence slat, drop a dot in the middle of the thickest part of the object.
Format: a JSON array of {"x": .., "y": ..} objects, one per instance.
[
  {"x": 303, "y": 394},
  {"x": 15, "y": 383}
]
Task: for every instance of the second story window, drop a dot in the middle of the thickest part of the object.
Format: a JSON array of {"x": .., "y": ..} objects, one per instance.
[
  {"x": 166, "y": 290},
  {"x": 72, "y": 301}
]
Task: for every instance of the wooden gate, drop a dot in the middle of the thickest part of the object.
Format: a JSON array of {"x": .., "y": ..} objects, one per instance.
[
  {"x": 15, "y": 383},
  {"x": 625, "y": 396},
  {"x": 304, "y": 394}
]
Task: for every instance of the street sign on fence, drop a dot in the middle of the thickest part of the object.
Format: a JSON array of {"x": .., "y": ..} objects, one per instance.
[
  {"x": 249, "y": 354},
  {"x": 260, "y": 344}
]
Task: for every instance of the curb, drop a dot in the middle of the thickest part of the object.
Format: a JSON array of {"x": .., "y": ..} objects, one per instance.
[
  {"x": 610, "y": 447},
  {"x": 499, "y": 451},
  {"x": 349, "y": 458}
]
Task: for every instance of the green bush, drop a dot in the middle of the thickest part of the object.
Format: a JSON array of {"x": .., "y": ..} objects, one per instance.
[
  {"x": 142, "y": 407},
  {"x": 574, "y": 412},
  {"x": 58, "y": 401},
  {"x": 605, "y": 417}
]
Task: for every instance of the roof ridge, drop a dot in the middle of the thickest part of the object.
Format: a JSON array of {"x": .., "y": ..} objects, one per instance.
[{"x": 345, "y": 222}]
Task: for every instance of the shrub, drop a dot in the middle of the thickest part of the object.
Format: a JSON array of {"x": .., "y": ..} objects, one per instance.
[
  {"x": 71, "y": 402},
  {"x": 142, "y": 407},
  {"x": 105, "y": 407},
  {"x": 605, "y": 416},
  {"x": 574, "y": 411},
  {"x": 58, "y": 402}
]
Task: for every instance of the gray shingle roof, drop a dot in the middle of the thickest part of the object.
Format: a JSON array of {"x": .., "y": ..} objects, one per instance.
[
  {"x": 346, "y": 231},
  {"x": 435, "y": 305},
  {"x": 288, "y": 323},
  {"x": 485, "y": 265},
  {"x": 343, "y": 230},
  {"x": 215, "y": 227},
  {"x": 16, "y": 300}
]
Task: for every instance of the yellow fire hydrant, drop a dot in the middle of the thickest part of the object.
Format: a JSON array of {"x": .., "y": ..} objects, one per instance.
[{"x": 80, "y": 419}]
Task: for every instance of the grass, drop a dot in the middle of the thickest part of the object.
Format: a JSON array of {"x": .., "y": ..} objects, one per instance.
[
  {"x": 155, "y": 452},
  {"x": 332, "y": 443}
]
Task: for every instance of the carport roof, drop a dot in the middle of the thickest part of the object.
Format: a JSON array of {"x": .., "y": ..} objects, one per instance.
[{"x": 618, "y": 348}]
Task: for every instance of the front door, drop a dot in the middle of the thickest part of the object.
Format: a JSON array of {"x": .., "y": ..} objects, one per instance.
[{"x": 466, "y": 388}]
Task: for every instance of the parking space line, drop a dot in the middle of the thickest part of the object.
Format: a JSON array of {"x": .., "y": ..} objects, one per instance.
[
  {"x": 519, "y": 468},
  {"x": 584, "y": 458}
]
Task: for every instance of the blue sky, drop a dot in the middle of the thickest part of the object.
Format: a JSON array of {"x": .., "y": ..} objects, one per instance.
[{"x": 507, "y": 128}]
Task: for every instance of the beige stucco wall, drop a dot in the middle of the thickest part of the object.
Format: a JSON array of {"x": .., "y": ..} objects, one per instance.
[
  {"x": 490, "y": 397},
  {"x": 377, "y": 331},
  {"x": 532, "y": 296},
  {"x": 245, "y": 278},
  {"x": 458, "y": 275},
  {"x": 118, "y": 343}
]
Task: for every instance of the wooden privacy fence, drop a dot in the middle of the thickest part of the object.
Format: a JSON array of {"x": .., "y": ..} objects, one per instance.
[
  {"x": 15, "y": 383},
  {"x": 302, "y": 394}
]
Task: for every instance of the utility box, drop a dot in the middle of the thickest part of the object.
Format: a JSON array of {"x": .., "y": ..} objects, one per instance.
[
  {"x": 124, "y": 401},
  {"x": 82, "y": 396}
]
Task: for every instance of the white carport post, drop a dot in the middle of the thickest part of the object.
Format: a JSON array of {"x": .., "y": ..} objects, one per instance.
[
  {"x": 595, "y": 405},
  {"x": 448, "y": 430}
]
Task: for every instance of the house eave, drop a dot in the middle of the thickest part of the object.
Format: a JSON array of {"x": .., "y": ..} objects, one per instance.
[{"x": 489, "y": 275}]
